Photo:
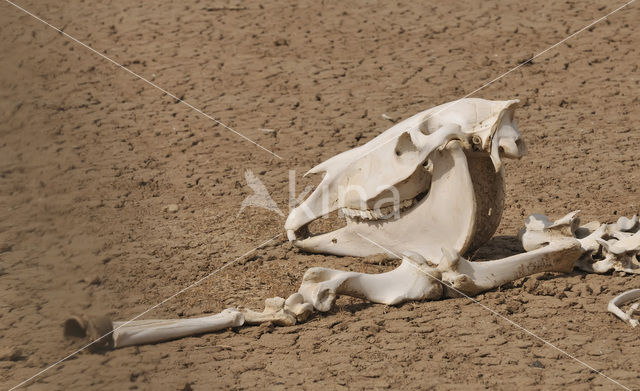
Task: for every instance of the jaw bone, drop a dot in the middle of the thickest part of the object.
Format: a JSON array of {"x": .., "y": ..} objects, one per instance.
[
  {"x": 462, "y": 141},
  {"x": 444, "y": 218}
]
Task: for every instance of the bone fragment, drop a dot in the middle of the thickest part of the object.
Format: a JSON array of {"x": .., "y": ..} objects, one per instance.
[
  {"x": 619, "y": 255},
  {"x": 280, "y": 311},
  {"x": 627, "y": 224},
  {"x": 96, "y": 329},
  {"x": 621, "y": 299},
  {"x": 539, "y": 231},
  {"x": 388, "y": 118}
]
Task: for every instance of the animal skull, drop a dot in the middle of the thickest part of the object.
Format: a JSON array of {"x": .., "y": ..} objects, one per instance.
[{"x": 434, "y": 180}]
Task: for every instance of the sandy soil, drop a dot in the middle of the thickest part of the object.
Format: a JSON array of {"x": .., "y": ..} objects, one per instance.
[{"x": 90, "y": 157}]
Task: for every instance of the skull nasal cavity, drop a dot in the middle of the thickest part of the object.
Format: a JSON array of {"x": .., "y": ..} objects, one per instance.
[{"x": 405, "y": 144}]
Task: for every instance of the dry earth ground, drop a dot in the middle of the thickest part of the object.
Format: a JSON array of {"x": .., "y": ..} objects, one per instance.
[{"x": 90, "y": 157}]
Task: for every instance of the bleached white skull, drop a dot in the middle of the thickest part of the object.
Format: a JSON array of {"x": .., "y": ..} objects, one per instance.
[{"x": 432, "y": 181}]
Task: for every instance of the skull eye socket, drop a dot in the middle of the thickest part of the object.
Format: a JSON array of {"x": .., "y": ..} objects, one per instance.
[{"x": 405, "y": 145}]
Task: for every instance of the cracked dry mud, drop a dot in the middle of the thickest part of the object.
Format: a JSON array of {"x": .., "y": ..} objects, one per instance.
[{"x": 113, "y": 196}]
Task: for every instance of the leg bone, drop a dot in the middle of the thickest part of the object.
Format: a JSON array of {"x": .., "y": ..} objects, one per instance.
[
  {"x": 415, "y": 279},
  {"x": 139, "y": 332},
  {"x": 472, "y": 278},
  {"x": 412, "y": 280}
]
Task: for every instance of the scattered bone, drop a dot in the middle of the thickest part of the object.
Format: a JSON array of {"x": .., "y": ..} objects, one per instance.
[
  {"x": 627, "y": 224},
  {"x": 139, "y": 332},
  {"x": 620, "y": 300},
  {"x": 619, "y": 255},
  {"x": 415, "y": 279},
  {"x": 95, "y": 329},
  {"x": 606, "y": 247},
  {"x": 471, "y": 278},
  {"x": 172, "y": 208},
  {"x": 539, "y": 231},
  {"x": 445, "y": 166}
]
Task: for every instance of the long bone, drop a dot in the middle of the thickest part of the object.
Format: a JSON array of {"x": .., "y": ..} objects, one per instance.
[
  {"x": 414, "y": 279},
  {"x": 140, "y": 332}
]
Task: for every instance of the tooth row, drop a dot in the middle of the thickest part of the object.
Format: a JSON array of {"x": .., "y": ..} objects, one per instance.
[
  {"x": 363, "y": 214},
  {"x": 376, "y": 214}
]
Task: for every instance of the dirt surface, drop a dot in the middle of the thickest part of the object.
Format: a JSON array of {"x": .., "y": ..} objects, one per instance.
[{"x": 90, "y": 158}]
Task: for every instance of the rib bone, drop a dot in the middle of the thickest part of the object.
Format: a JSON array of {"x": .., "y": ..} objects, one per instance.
[{"x": 621, "y": 299}]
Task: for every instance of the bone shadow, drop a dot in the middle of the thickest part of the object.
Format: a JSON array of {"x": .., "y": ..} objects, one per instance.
[{"x": 497, "y": 248}]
